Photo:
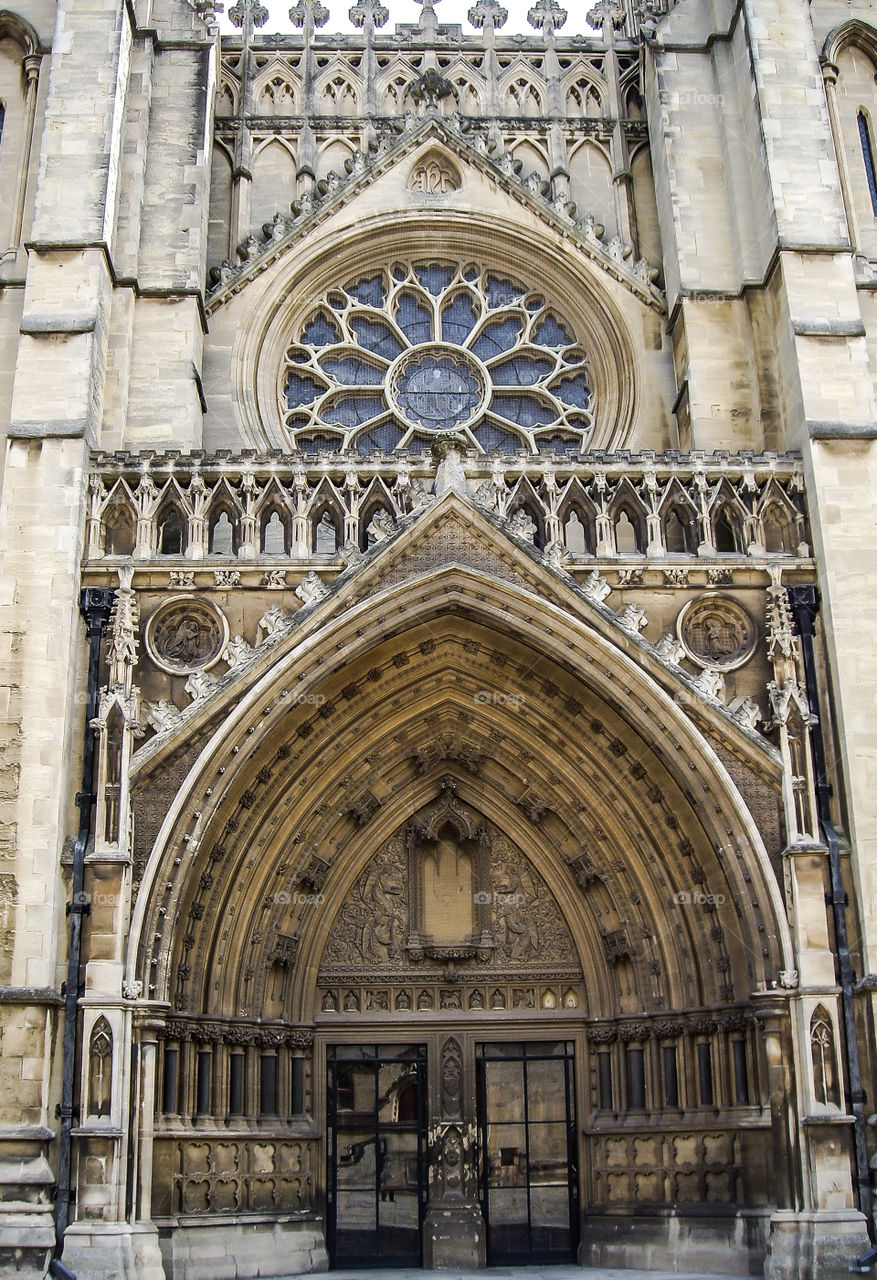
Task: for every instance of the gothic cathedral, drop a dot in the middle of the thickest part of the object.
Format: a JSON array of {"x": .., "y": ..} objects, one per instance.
[{"x": 438, "y": 516}]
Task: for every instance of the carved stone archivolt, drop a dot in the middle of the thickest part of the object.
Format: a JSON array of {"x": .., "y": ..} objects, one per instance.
[
  {"x": 185, "y": 635},
  {"x": 716, "y": 632}
]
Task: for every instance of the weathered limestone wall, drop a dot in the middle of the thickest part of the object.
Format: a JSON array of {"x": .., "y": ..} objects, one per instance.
[
  {"x": 41, "y": 518},
  {"x": 71, "y": 368}
]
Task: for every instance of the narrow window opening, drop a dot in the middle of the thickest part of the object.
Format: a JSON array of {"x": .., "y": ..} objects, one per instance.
[{"x": 868, "y": 157}]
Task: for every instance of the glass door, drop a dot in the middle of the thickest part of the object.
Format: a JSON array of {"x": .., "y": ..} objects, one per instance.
[
  {"x": 527, "y": 1132},
  {"x": 376, "y": 1175}
]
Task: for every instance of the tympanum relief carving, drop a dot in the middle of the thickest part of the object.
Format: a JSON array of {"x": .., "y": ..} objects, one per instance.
[{"x": 451, "y": 903}]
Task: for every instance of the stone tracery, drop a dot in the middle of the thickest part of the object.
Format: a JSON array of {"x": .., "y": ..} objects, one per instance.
[{"x": 394, "y": 358}]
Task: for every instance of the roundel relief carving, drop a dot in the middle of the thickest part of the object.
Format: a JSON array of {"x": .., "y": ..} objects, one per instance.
[
  {"x": 717, "y": 632},
  {"x": 186, "y": 635}
]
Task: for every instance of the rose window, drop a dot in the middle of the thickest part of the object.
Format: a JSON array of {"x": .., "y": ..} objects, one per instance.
[{"x": 399, "y": 357}]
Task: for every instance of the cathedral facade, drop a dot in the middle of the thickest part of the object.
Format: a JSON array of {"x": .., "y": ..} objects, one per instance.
[{"x": 439, "y": 498}]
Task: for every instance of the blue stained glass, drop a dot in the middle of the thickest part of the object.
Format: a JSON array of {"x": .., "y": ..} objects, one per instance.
[
  {"x": 502, "y": 293},
  {"x": 579, "y": 420},
  {"x": 491, "y": 437},
  {"x": 521, "y": 371},
  {"x": 497, "y": 337},
  {"x": 371, "y": 292},
  {"x": 317, "y": 442},
  {"x": 458, "y": 318},
  {"x": 414, "y": 318},
  {"x": 434, "y": 276},
  {"x": 352, "y": 410},
  {"x": 320, "y": 331},
  {"x": 573, "y": 390},
  {"x": 551, "y": 333},
  {"x": 419, "y": 445},
  {"x": 384, "y": 437},
  {"x": 376, "y": 336},
  {"x": 558, "y": 444},
  {"x": 868, "y": 157},
  {"x": 353, "y": 371},
  {"x": 525, "y": 410},
  {"x": 437, "y": 391},
  {"x": 301, "y": 390}
]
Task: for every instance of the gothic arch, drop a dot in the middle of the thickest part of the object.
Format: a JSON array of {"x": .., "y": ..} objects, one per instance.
[
  {"x": 610, "y": 716},
  {"x": 14, "y": 27}
]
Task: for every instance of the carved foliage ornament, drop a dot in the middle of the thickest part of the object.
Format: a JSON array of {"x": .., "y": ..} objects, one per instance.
[
  {"x": 186, "y": 635},
  {"x": 716, "y": 632}
]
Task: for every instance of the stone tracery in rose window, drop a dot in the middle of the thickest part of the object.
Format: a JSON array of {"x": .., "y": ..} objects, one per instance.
[{"x": 401, "y": 355}]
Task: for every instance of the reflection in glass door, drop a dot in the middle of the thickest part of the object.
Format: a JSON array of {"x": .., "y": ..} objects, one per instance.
[
  {"x": 529, "y": 1184},
  {"x": 376, "y": 1183}
]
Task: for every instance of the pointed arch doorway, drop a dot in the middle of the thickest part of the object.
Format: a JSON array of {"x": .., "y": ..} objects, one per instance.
[{"x": 450, "y": 1093}]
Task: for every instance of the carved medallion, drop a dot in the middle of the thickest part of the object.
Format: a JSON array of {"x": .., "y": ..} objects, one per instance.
[
  {"x": 434, "y": 176},
  {"x": 716, "y": 632},
  {"x": 186, "y": 635}
]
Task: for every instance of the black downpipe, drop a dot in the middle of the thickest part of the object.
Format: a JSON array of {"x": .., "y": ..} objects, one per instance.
[
  {"x": 805, "y": 603},
  {"x": 94, "y": 605}
]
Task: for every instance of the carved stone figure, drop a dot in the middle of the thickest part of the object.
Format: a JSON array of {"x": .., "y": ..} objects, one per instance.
[
  {"x": 381, "y": 526},
  {"x": 163, "y": 715},
  {"x": 186, "y": 635},
  {"x": 717, "y": 632},
  {"x": 522, "y": 526}
]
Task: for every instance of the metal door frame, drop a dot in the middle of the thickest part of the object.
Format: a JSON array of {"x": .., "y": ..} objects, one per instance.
[
  {"x": 568, "y": 1057},
  {"x": 382, "y": 1053}
]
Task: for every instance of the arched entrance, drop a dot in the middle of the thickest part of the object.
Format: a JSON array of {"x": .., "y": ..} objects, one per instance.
[{"x": 477, "y": 836}]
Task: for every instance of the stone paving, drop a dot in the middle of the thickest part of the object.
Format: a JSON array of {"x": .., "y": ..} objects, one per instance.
[{"x": 529, "y": 1273}]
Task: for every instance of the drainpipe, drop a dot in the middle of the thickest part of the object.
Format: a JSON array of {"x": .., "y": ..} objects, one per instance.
[
  {"x": 94, "y": 605},
  {"x": 805, "y": 603}
]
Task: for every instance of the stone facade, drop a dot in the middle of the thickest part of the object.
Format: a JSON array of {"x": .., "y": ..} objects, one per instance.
[{"x": 437, "y": 510}]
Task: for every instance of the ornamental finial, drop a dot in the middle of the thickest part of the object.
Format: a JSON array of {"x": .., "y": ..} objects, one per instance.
[
  {"x": 488, "y": 14},
  {"x": 428, "y": 23},
  {"x": 248, "y": 14},
  {"x": 308, "y": 14},
  {"x": 607, "y": 11},
  {"x": 548, "y": 16},
  {"x": 368, "y": 13}
]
